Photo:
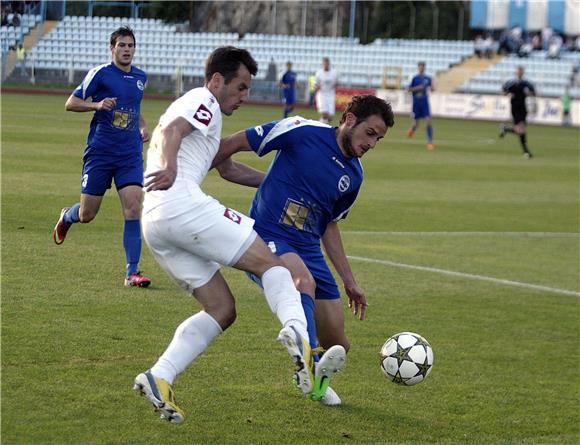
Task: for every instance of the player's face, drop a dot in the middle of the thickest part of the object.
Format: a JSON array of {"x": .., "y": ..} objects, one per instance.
[
  {"x": 360, "y": 138},
  {"x": 123, "y": 51},
  {"x": 232, "y": 95},
  {"x": 520, "y": 73},
  {"x": 421, "y": 68}
]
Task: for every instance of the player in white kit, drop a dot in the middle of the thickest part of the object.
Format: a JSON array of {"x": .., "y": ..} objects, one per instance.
[
  {"x": 325, "y": 86},
  {"x": 190, "y": 233}
]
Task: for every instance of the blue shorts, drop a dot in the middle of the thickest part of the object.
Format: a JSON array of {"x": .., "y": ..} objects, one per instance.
[
  {"x": 289, "y": 96},
  {"x": 99, "y": 172},
  {"x": 326, "y": 288},
  {"x": 421, "y": 109}
]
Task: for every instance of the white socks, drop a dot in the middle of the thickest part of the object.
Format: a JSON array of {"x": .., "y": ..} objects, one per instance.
[
  {"x": 190, "y": 340},
  {"x": 284, "y": 299}
]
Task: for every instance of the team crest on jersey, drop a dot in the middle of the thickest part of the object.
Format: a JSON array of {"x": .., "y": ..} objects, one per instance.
[
  {"x": 203, "y": 115},
  {"x": 235, "y": 217},
  {"x": 140, "y": 85},
  {"x": 343, "y": 183}
]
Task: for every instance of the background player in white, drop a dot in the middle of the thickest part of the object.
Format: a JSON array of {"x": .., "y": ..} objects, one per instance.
[
  {"x": 191, "y": 233},
  {"x": 312, "y": 183},
  {"x": 326, "y": 83}
]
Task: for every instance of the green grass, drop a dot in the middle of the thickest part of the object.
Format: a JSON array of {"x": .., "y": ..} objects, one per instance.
[{"x": 506, "y": 357}]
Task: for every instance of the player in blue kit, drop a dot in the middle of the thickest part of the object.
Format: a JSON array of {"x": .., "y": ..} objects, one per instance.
[
  {"x": 114, "y": 147},
  {"x": 310, "y": 186},
  {"x": 420, "y": 86},
  {"x": 288, "y": 86}
]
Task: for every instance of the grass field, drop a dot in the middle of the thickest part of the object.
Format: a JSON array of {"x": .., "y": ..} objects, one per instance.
[{"x": 506, "y": 352}]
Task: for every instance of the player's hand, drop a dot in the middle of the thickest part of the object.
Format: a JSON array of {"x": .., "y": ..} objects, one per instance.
[
  {"x": 107, "y": 104},
  {"x": 357, "y": 301},
  {"x": 145, "y": 136},
  {"x": 160, "y": 180}
]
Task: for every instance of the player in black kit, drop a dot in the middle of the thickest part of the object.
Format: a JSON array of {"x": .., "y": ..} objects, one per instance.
[{"x": 518, "y": 89}]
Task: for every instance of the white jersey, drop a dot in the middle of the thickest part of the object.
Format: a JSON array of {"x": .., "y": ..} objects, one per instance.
[
  {"x": 327, "y": 81},
  {"x": 197, "y": 151}
]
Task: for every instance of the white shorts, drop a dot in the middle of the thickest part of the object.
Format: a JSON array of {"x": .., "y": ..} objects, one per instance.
[
  {"x": 191, "y": 238},
  {"x": 326, "y": 103}
]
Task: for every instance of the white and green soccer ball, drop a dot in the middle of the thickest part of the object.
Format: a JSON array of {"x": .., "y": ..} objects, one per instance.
[{"x": 406, "y": 358}]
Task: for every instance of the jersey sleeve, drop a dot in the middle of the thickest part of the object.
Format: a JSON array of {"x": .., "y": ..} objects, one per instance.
[
  {"x": 198, "y": 111},
  {"x": 89, "y": 85},
  {"x": 343, "y": 206},
  {"x": 275, "y": 135},
  {"x": 531, "y": 87}
]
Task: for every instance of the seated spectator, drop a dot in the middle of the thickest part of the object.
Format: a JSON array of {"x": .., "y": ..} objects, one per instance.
[
  {"x": 16, "y": 20},
  {"x": 479, "y": 46},
  {"x": 526, "y": 48},
  {"x": 555, "y": 46},
  {"x": 489, "y": 46},
  {"x": 546, "y": 36},
  {"x": 537, "y": 42}
]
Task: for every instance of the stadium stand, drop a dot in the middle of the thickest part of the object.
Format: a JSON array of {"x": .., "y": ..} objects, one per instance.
[
  {"x": 81, "y": 43},
  {"x": 551, "y": 77},
  {"x": 11, "y": 35}
]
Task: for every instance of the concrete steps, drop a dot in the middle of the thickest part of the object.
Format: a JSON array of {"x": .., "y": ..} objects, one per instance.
[
  {"x": 450, "y": 80},
  {"x": 30, "y": 40}
]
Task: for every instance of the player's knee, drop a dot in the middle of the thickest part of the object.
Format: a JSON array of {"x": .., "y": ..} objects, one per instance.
[
  {"x": 305, "y": 284},
  {"x": 225, "y": 315},
  {"x": 86, "y": 215}
]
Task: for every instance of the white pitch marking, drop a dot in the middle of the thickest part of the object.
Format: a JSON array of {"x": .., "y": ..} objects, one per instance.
[
  {"x": 468, "y": 275},
  {"x": 483, "y": 234}
]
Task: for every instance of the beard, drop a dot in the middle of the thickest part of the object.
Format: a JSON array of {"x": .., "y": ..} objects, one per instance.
[{"x": 347, "y": 143}]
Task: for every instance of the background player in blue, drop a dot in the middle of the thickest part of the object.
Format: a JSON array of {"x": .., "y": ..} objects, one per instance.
[
  {"x": 518, "y": 89},
  {"x": 288, "y": 86},
  {"x": 311, "y": 184},
  {"x": 420, "y": 86},
  {"x": 114, "y": 146}
]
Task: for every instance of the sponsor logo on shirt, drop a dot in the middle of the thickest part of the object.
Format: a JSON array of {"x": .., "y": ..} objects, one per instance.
[
  {"x": 343, "y": 183},
  {"x": 230, "y": 214},
  {"x": 203, "y": 115},
  {"x": 259, "y": 130}
]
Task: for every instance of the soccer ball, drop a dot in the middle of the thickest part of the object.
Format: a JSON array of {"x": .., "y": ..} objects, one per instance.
[{"x": 406, "y": 358}]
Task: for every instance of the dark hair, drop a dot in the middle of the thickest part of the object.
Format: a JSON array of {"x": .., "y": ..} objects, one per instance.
[
  {"x": 226, "y": 60},
  {"x": 123, "y": 31},
  {"x": 364, "y": 106}
]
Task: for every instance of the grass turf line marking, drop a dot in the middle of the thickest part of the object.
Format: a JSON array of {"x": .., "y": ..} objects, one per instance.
[
  {"x": 490, "y": 234},
  {"x": 467, "y": 275}
]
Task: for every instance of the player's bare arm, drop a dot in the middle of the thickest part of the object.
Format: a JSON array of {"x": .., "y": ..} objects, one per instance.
[
  {"x": 167, "y": 139},
  {"x": 73, "y": 103},
  {"x": 231, "y": 145},
  {"x": 332, "y": 242},
  {"x": 239, "y": 173}
]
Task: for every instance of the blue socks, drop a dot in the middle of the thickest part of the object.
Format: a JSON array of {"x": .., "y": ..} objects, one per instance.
[
  {"x": 72, "y": 215},
  {"x": 429, "y": 133},
  {"x": 309, "y": 306},
  {"x": 132, "y": 244}
]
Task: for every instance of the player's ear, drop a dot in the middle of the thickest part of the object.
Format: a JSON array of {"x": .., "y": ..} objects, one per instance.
[
  {"x": 350, "y": 119},
  {"x": 216, "y": 80}
]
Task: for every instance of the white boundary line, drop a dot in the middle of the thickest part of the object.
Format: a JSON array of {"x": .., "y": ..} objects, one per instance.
[
  {"x": 483, "y": 234},
  {"x": 468, "y": 275}
]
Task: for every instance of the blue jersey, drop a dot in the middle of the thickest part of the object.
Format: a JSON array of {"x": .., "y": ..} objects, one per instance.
[
  {"x": 289, "y": 79},
  {"x": 114, "y": 132},
  {"x": 420, "y": 79},
  {"x": 309, "y": 184}
]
